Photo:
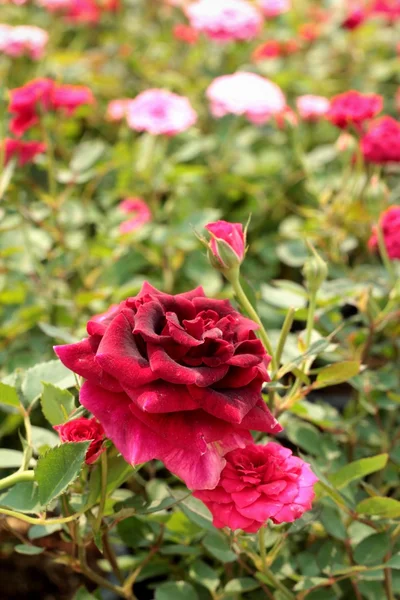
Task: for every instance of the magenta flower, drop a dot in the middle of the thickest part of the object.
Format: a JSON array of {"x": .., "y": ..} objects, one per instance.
[
  {"x": 25, "y": 152},
  {"x": 390, "y": 225},
  {"x": 260, "y": 483},
  {"x": 353, "y": 109},
  {"x": 177, "y": 378},
  {"x": 44, "y": 95},
  {"x": 232, "y": 235},
  {"x": 381, "y": 143},
  {"x": 139, "y": 208},
  {"x": 248, "y": 94},
  {"x": 312, "y": 108},
  {"x": 160, "y": 112},
  {"x": 83, "y": 430},
  {"x": 225, "y": 20}
]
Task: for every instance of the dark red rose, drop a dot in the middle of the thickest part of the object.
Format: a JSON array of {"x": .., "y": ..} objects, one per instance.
[
  {"x": 176, "y": 378},
  {"x": 83, "y": 430}
]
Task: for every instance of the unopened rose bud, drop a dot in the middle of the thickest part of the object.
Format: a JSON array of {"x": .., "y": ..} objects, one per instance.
[
  {"x": 315, "y": 271},
  {"x": 227, "y": 246}
]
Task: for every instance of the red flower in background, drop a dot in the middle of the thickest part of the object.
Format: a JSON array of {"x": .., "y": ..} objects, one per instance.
[
  {"x": 355, "y": 17},
  {"x": 176, "y": 378},
  {"x": 381, "y": 143},
  {"x": 43, "y": 95},
  {"x": 83, "y": 430},
  {"x": 24, "y": 151},
  {"x": 390, "y": 225},
  {"x": 185, "y": 33},
  {"x": 260, "y": 483},
  {"x": 353, "y": 108},
  {"x": 139, "y": 209}
]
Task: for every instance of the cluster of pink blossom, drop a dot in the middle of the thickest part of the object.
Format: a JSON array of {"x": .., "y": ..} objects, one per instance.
[
  {"x": 225, "y": 20},
  {"x": 360, "y": 11},
  {"x": 23, "y": 40}
]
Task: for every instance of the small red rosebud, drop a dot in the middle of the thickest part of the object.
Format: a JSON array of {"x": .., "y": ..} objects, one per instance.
[{"x": 82, "y": 430}]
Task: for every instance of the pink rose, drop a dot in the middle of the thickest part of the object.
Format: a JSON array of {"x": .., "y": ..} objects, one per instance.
[
  {"x": 139, "y": 208},
  {"x": 225, "y": 20},
  {"x": 274, "y": 8},
  {"x": 390, "y": 225},
  {"x": 160, "y": 112},
  {"x": 353, "y": 108},
  {"x": 43, "y": 95},
  {"x": 177, "y": 378},
  {"x": 24, "y": 151},
  {"x": 82, "y": 430},
  {"x": 260, "y": 483},
  {"x": 23, "y": 39},
  {"x": 381, "y": 143},
  {"x": 248, "y": 94},
  {"x": 227, "y": 238},
  {"x": 356, "y": 16},
  {"x": 312, "y": 108}
]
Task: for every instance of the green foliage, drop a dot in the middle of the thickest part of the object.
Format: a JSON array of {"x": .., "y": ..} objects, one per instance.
[
  {"x": 58, "y": 468},
  {"x": 57, "y": 404}
]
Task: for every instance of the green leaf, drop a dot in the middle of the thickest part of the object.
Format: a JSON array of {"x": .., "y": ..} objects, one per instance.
[
  {"x": 330, "y": 519},
  {"x": 37, "y": 532},
  {"x": 57, "y": 333},
  {"x": 43, "y": 438},
  {"x": 304, "y": 435},
  {"x": 218, "y": 546},
  {"x": 315, "y": 349},
  {"x": 358, "y": 469},
  {"x": 196, "y": 512},
  {"x": 86, "y": 154},
  {"x": 83, "y": 594},
  {"x": 394, "y": 562},
  {"x": 204, "y": 575},
  {"x": 58, "y": 468},
  {"x": 51, "y": 372},
  {"x": 387, "y": 508},
  {"x": 372, "y": 549},
  {"x": 10, "y": 459},
  {"x": 9, "y": 395},
  {"x": 23, "y": 497},
  {"x": 284, "y": 296},
  {"x": 118, "y": 472},
  {"x": 337, "y": 373},
  {"x": 242, "y": 584},
  {"x": 30, "y": 550},
  {"x": 57, "y": 404},
  {"x": 176, "y": 590}
]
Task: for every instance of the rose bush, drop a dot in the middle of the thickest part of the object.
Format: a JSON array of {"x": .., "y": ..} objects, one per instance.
[{"x": 176, "y": 378}]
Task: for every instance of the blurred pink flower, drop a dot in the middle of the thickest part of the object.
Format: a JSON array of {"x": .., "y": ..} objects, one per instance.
[
  {"x": 390, "y": 225},
  {"x": 381, "y": 143},
  {"x": 353, "y": 108},
  {"x": 248, "y": 94},
  {"x": 23, "y": 39},
  {"x": 160, "y": 112},
  {"x": 139, "y": 208},
  {"x": 260, "y": 483},
  {"x": 387, "y": 8},
  {"x": 225, "y": 20},
  {"x": 355, "y": 17},
  {"x": 312, "y": 108},
  {"x": 41, "y": 95},
  {"x": 24, "y": 151},
  {"x": 274, "y": 8},
  {"x": 118, "y": 109}
]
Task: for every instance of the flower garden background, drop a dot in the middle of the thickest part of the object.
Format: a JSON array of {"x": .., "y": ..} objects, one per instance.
[{"x": 199, "y": 299}]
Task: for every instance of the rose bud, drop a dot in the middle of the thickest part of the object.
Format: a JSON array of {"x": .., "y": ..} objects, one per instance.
[
  {"x": 260, "y": 483},
  {"x": 227, "y": 245},
  {"x": 82, "y": 430},
  {"x": 315, "y": 272}
]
